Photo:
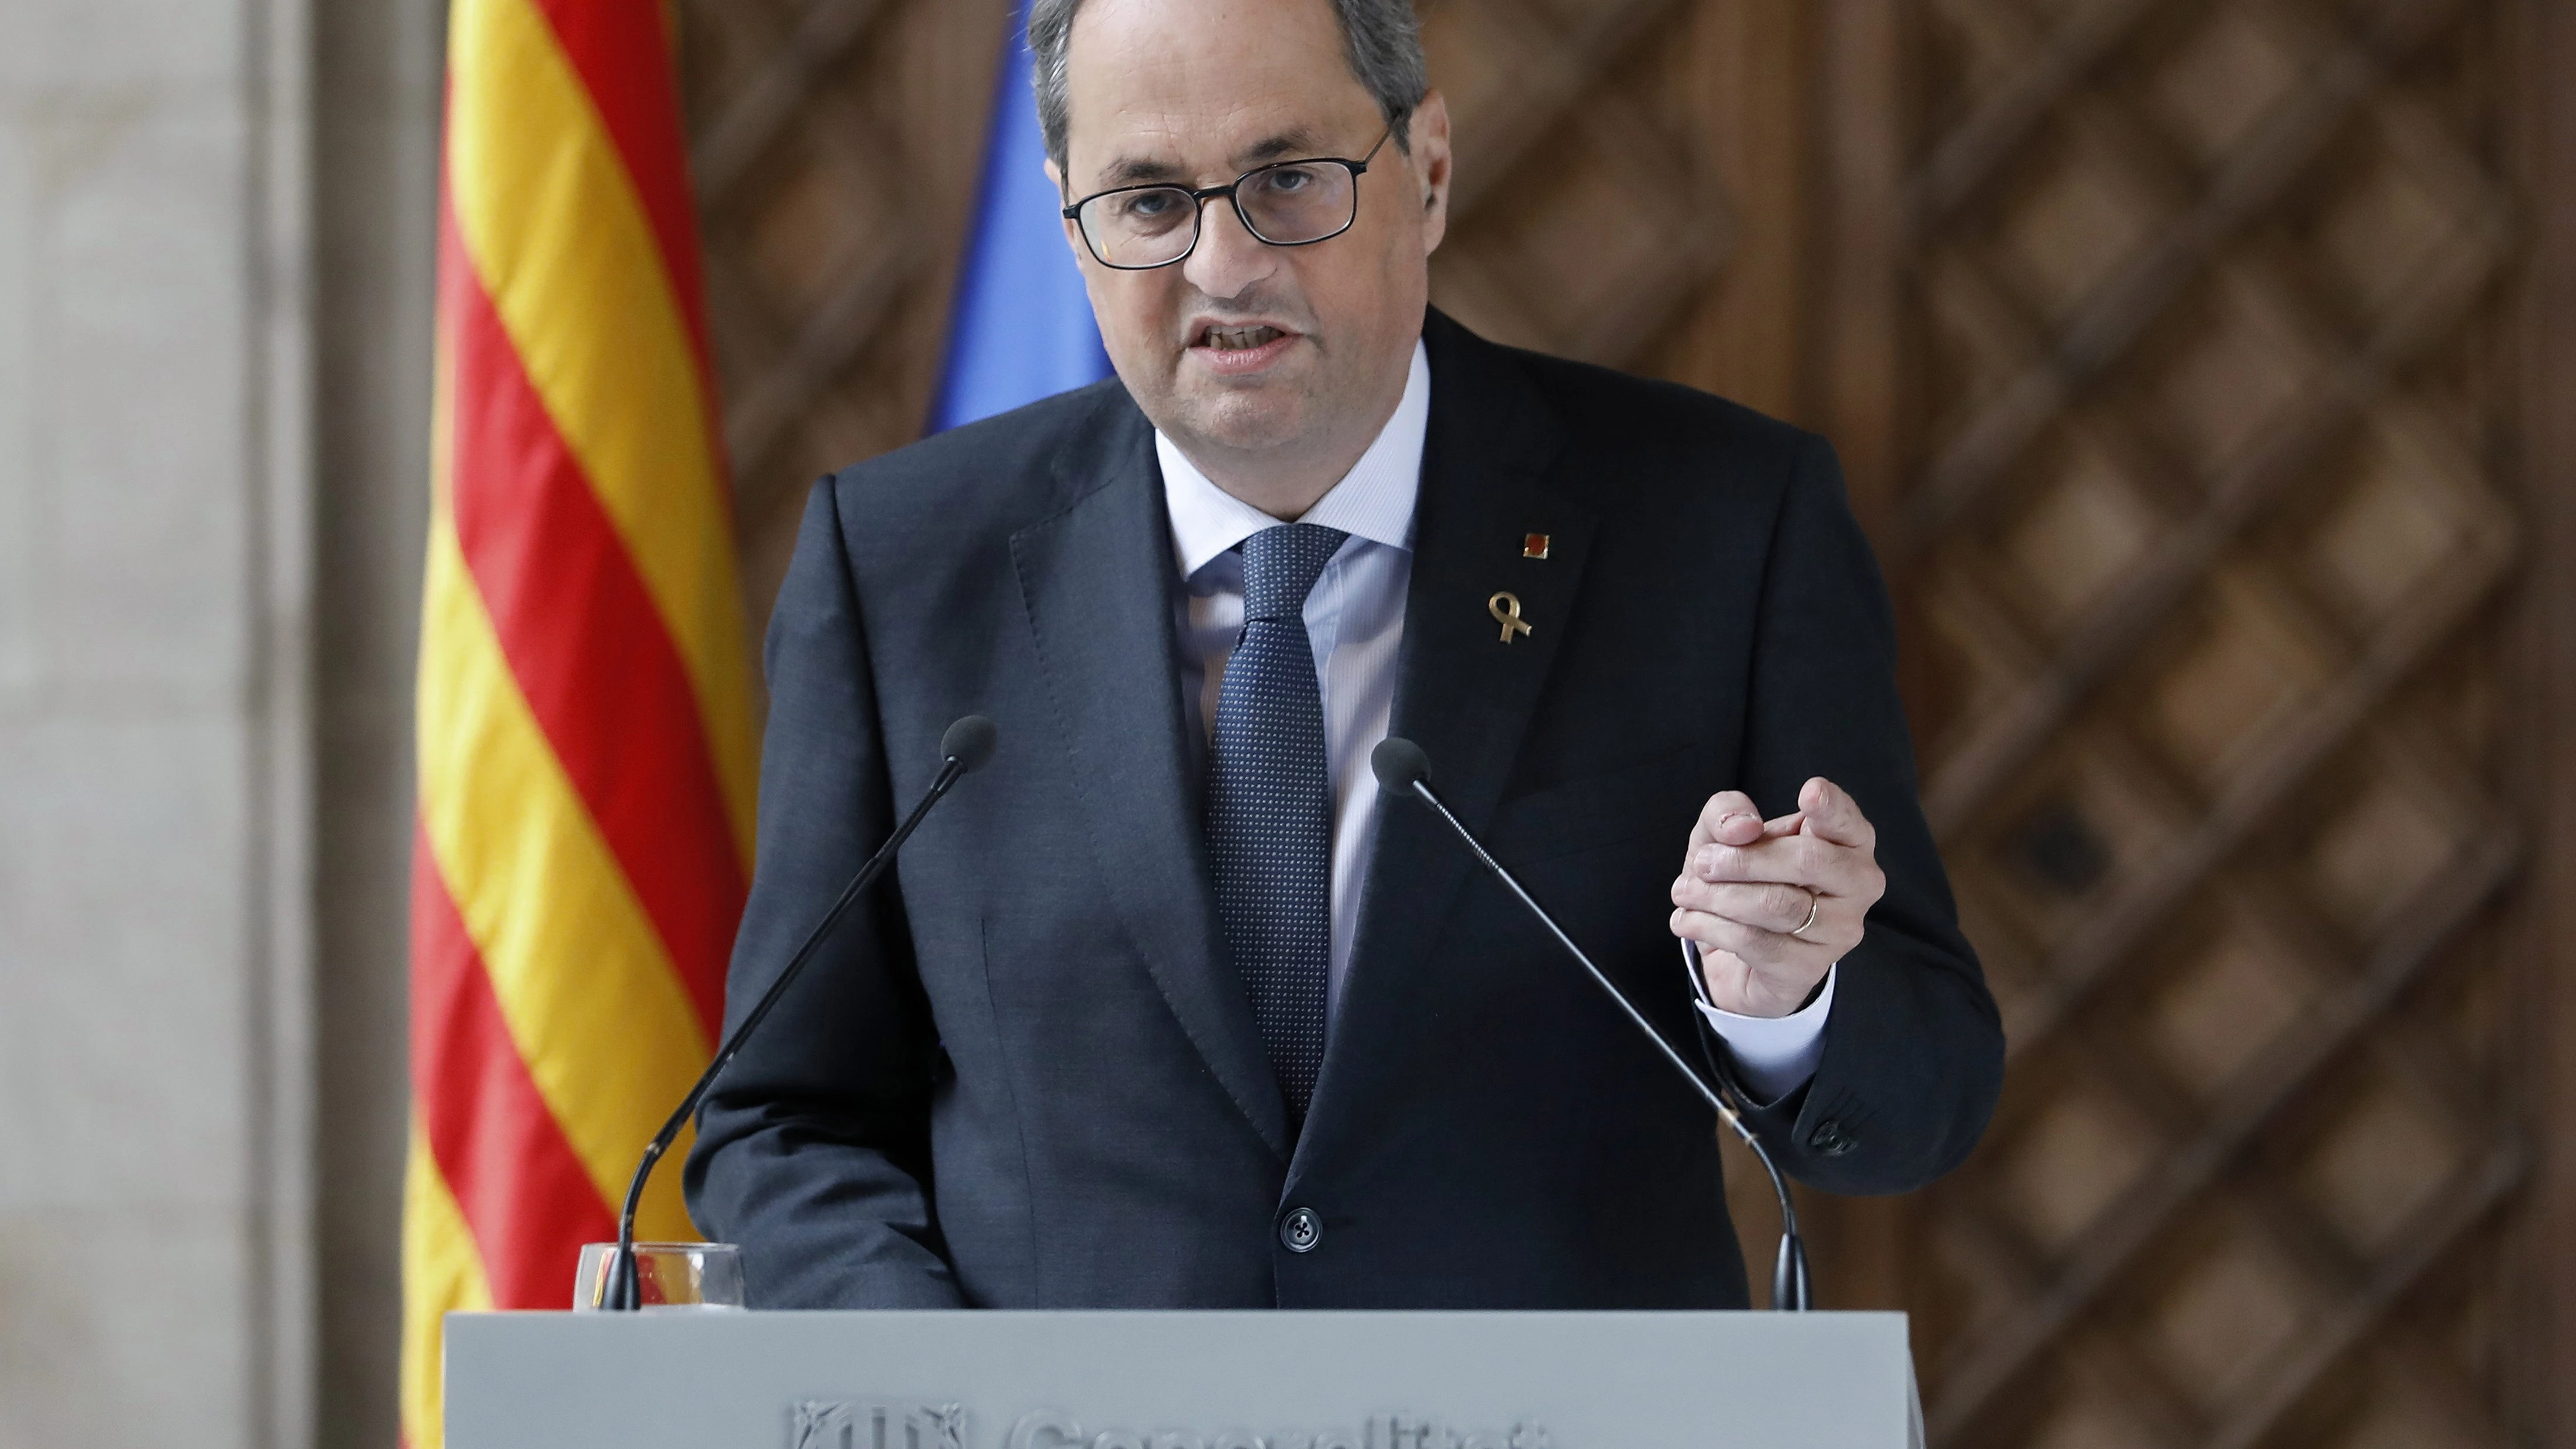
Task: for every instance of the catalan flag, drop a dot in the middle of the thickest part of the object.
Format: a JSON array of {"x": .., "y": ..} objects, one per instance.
[{"x": 587, "y": 759}]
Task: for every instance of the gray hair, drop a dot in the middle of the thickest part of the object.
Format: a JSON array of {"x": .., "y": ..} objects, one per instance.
[{"x": 1381, "y": 39}]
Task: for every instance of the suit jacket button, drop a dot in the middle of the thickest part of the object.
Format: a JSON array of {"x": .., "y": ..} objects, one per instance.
[
  {"x": 1301, "y": 1230},
  {"x": 1830, "y": 1139}
]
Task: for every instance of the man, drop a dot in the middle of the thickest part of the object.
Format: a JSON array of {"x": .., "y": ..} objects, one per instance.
[{"x": 1165, "y": 1007}]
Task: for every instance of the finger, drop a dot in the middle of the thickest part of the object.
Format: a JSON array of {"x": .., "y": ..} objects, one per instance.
[
  {"x": 1798, "y": 860},
  {"x": 1763, "y": 952},
  {"x": 1720, "y": 969},
  {"x": 1834, "y": 815},
  {"x": 1730, "y": 817},
  {"x": 1830, "y": 924},
  {"x": 1786, "y": 825},
  {"x": 1836, "y": 872},
  {"x": 1779, "y": 908}
]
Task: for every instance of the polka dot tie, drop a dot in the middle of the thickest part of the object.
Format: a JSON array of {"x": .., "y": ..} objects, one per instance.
[{"x": 1270, "y": 807}]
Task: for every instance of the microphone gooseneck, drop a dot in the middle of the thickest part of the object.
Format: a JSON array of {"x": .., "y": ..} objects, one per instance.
[
  {"x": 967, "y": 744},
  {"x": 1403, "y": 769}
]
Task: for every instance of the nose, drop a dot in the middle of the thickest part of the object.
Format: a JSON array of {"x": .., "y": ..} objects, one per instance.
[{"x": 1229, "y": 260}]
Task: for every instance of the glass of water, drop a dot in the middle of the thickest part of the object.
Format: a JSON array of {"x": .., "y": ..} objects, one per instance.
[{"x": 669, "y": 1277}]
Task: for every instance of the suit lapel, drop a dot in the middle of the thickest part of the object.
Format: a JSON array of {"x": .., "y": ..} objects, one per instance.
[
  {"x": 1098, "y": 580},
  {"x": 1462, "y": 693}
]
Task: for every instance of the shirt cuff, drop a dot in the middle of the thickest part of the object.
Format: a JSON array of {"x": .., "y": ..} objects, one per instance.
[{"x": 1776, "y": 1054}]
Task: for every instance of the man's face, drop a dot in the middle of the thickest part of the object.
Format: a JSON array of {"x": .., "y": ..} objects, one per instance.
[{"x": 1242, "y": 346}]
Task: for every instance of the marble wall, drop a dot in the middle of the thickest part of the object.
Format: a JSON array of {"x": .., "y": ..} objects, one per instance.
[
  {"x": 215, "y": 229},
  {"x": 154, "y": 645}
]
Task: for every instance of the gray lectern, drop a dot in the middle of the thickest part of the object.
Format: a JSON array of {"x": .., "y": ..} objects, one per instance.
[{"x": 699, "y": 1380}]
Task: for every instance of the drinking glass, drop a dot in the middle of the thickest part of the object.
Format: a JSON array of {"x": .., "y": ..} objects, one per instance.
[{"x": 669, "y": 1277}]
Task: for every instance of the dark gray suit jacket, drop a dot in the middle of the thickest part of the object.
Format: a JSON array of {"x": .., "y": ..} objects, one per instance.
[{"x": 1024, "y": 1074}]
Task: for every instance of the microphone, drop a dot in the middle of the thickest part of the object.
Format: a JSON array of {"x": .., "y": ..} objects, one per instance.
[
  {"x": 1403, "y": 769},
  {"x": 967, "y": 745}
]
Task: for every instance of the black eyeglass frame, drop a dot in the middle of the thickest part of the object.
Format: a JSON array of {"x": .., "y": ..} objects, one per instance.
[{"x": 1201, "y": 196}]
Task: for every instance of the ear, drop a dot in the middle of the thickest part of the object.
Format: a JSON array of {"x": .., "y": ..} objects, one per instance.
[{"x": 1428, "y": 131}]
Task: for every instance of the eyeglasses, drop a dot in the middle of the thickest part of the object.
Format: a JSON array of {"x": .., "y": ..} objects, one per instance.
[{"x": 1283, "y": 204}]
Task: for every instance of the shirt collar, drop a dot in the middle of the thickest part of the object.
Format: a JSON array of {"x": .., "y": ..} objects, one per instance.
[{"x": 1373, "y": 501}]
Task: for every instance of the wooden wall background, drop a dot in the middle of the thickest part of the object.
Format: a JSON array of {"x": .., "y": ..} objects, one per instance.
[{"x": 2185, "y": 359}]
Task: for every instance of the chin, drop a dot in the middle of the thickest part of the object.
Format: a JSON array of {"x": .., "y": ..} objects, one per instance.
[{"x": 1250, "y": 419}]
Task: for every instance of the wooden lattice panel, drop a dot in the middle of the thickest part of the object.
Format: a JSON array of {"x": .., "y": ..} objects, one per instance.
[
  {"x": 2209, "y": 539},
  {"x": 1581, "y": 221},
  {"x": 836, "y": 146}
]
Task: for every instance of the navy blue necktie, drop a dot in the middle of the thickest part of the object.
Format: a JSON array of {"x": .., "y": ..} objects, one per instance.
[{"x": 1270, "y": 807}]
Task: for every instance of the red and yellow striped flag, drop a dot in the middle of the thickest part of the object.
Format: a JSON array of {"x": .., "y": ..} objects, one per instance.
[{"x": 587, "y": 761}]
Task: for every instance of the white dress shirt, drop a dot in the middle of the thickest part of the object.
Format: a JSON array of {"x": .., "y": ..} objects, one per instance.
[{"x": 1355, "y": 621}]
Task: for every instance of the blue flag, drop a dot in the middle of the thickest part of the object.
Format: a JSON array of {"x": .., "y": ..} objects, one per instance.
[{"x": 1022, "y": 328}]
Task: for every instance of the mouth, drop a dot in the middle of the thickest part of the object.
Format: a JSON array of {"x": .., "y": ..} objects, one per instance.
[
  {"x": 1235, "y": 349},
  {"x": 1237, "y": 339}
]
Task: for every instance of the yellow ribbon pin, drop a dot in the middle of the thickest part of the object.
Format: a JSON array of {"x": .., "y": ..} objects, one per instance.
[{"x": 1506, "y": 609}]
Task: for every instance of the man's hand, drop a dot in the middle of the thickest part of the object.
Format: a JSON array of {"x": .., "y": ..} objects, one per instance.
[{"x": 1774, "y": 904}]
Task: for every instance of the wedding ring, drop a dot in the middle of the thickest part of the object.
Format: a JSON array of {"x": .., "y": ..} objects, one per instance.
[{"x": 1814, "y": 903}]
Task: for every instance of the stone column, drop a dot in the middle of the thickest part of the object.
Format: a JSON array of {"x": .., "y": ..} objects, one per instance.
[
  {"x": 155, "y": 511},
  {"x": 379, "y": 66}
]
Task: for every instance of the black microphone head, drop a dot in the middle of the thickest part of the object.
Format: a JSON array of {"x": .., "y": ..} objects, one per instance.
[
  {"x": 1399, "y": 764},
  {"x": 969, "y": 742}
]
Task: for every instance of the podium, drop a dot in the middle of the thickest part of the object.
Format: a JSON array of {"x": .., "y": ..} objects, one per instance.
[{"x": 1180, "y": 1380}]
